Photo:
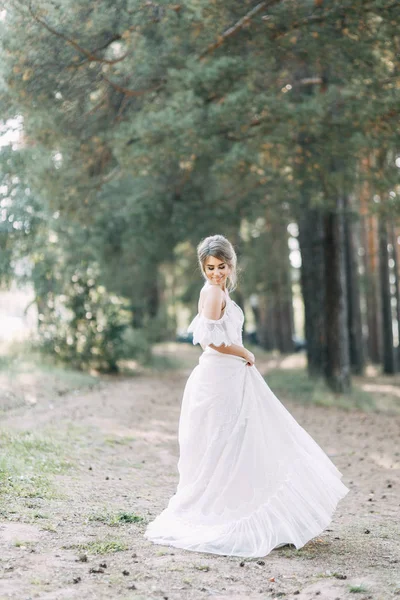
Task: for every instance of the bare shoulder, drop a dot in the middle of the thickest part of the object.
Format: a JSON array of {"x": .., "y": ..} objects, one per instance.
[
  {"x": 213, "y": 292},
  {"x": 211, "y": 301}
]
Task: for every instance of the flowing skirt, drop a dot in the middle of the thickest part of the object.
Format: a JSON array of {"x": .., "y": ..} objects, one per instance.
[{"x": 250, "y": 477}]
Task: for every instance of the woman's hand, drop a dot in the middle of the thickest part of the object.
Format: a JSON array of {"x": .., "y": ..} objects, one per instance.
[{"x": 249, "y": 358}]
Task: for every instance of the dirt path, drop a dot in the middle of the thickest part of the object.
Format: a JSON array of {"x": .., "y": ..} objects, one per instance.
[{"x": 120, "y": 439}]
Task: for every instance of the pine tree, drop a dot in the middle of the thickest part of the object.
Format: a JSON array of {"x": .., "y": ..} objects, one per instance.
[{"x": 154, "y": 124}]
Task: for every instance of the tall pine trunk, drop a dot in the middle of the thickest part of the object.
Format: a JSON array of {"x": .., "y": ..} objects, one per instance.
[
  {"x": 395, "y": 244},
  {"x": 275, "y": 306},
  {"x": 372, "y": 294},
  {"x": 311, "y": 241},
  {"x": 369, "y": 240},
  {"x": 337, "y": 339},
  {"x": 356, "y": 344},
  {"x": 284, "y": 304},
  {"x": 389, "y": 363},
  {"x": 266, "y": 313}
]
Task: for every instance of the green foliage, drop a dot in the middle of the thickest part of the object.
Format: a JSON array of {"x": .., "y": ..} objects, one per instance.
[
  {"x": 145, "y": 128},
  {"x": 136, "y": 345},
  {"x": 85, "y": 324}
]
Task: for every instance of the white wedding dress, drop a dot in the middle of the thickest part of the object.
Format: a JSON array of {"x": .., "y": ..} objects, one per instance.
[{"x": 251, "y": 478}]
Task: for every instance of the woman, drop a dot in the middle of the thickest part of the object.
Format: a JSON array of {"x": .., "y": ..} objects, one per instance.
[{"x": 251, "y": 479}]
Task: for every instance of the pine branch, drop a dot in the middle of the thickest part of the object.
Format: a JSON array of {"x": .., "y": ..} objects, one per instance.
[
  {"x": 129, "y": 92},
  {"x": 113, "y": 174},
  {"x": 114, "y": 38},
  {"x": 245, "y": 20},
  {"x": 122, "y": 106},
  {"x": 314, "y": 18},
  {"x": 318, "y": 17},
  {"x": 90, "y": 55},
  {"x": 232, "y": 137}
]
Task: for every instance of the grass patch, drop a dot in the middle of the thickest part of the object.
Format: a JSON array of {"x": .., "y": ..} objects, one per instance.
[
  {"x": 358, "y": 589},
  {"x": 49, "y": 527},
  {"x": 129, "y": 518},
  {"x": 204, "y": 568},
  {"x": 39, "y": 582},
  {"x": 119, "y": 441},
  {"x": 22, "y": 358},
  {"x": 117, "y": 519},
  {"x": 298, "y": 386},
  {"x": 6, "y": 362},
  {"x": 159, "y": 362},
  {"x": 22, "y": 544},
  {"x": 26, "y": 462},
  {"x": 154, "y": 363},
  {"x": 101, "y": 547},
  {"x": 173, "y": 355}
]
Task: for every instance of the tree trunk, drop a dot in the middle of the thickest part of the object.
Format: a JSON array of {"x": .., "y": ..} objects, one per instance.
[
  {"x": 153, "y": 298},
  {"x": 137, "y": 316},
  {"x": 254, "y": 303},
  {"x": 240, "y": 301},
  {"x": 397, "y": 291},
  {"x": 285, "y": 306},
  {"x": 371, "y": 276},
  {"x": 275, "y": 306},
  {"x": 374, "y": 344},
  {"x": 42, "y": 310},
  {"x": 311, "y": 241},
  {"x": 353, "y": 295},
  {"x": 389, "y": 365},
  {"x": 266, "y": 331},
  {"x": 337, "y": 339}
]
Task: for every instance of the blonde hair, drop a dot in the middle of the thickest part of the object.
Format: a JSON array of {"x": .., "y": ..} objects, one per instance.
[{"x": 220, "y": 247}]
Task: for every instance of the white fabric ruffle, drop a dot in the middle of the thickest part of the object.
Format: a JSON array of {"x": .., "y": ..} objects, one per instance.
[
  {"x": 208, "y": 331},
  {"x": 224, "y": 331}
]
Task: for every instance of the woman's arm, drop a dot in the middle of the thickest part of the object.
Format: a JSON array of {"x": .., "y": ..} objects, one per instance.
[
  {"x": 236, "y": 350},
  {"x": 212, "y": 310}
]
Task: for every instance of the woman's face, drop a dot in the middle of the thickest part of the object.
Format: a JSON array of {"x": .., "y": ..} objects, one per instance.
[{"x": 216, "y": 270}]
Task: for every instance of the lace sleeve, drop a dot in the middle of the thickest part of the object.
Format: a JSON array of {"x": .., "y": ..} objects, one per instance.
[{"x": 207, "y": 331}]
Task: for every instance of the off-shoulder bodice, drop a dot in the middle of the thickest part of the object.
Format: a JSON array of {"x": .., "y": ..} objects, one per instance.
[{"x": 227, "y": 330}]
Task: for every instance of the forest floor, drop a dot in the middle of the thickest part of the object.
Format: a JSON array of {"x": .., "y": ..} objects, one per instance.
[{"x": 86, "y": 462}]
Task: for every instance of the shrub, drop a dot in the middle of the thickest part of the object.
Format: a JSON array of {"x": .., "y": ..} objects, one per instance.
[{"x": 88, "y": 327}]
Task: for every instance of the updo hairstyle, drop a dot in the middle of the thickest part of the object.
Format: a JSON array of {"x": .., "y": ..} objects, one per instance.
[{"x": 221, "y": 248}]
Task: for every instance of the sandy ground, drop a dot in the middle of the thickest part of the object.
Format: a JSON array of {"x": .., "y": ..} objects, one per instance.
[{"x": 121, "y": 439}]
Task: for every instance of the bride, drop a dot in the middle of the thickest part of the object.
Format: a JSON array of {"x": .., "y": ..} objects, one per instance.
[{"x": 250, "y": 477}]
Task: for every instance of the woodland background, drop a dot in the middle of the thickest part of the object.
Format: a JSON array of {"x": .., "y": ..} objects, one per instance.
[{"x": 141, "y": 127}]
